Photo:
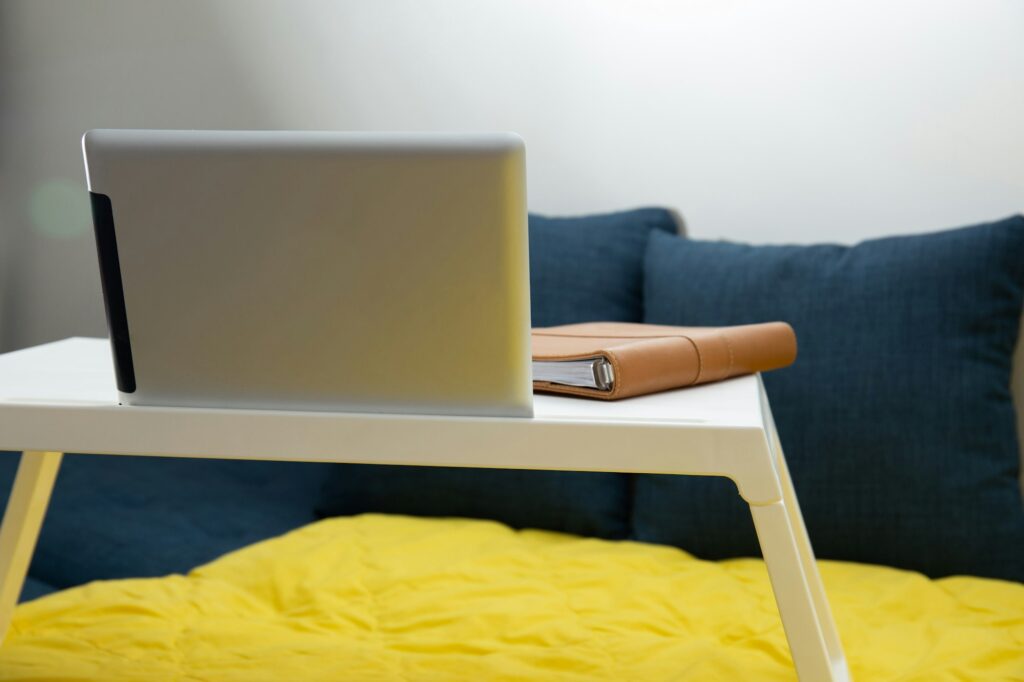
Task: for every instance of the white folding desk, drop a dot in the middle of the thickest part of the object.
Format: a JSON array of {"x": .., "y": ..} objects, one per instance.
[{"x": 61, "y": 397}]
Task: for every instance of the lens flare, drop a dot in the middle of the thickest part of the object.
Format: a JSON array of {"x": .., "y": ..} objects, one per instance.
[{"x": 59, "y": 208}]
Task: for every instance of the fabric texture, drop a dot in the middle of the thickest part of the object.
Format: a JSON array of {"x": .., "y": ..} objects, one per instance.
[
  {"x": 585, "y": 503},
  {"x": 590, "y": 268},
  {"x": 896, "y": 419},
  {"x": 33, "y": 589},
  {"x": 116, "y": 516},
  {"x": 392, "y": 598},
  {"x": 582, "y": 268}
]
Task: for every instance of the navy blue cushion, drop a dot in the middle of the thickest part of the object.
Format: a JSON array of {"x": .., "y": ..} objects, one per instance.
[
  {"x": 34, "y": 588},
  {"x": 896, "y": 419},
  {"x": 591, "y": 268},
  {"x": 117, "y": 517},
  {"x": 584, "y": 268},
  {"x": 575, "y": 502}
]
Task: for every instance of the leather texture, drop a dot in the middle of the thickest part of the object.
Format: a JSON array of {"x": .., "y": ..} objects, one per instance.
[{"x": 647, "y": 358}]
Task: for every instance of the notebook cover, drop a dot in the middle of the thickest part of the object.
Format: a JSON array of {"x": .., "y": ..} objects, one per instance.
[{"x": 647, "y": 358}]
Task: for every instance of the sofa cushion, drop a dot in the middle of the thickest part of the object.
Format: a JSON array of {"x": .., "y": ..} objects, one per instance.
[
  {"x": 584, "y": 503},
  {"x": 35, "y": 588},
  {"x": 896, "y": 419},
  {"x": 590, "y": 268},
  {"x": 115, "y": 516},
  {"x": 582, "y": 268}
]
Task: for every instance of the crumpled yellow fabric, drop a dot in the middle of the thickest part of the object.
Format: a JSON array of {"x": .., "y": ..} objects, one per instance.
[{"x": 397, "y": 598}]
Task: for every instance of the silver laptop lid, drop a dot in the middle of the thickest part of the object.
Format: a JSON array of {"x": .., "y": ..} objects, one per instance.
[{"x": 382, "y": 272}]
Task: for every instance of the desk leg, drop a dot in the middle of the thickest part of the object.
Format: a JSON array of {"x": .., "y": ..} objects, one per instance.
[
  {"x": 22, "y": 521},
  {"x": 803, "y": 605},
  {"x": 803, "y": 541}
]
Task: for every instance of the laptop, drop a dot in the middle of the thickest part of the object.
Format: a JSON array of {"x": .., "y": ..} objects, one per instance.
[{"x": 333, "y": 271}]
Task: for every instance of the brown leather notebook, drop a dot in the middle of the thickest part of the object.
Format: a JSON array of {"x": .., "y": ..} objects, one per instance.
[{"x": 611, "y": 360}]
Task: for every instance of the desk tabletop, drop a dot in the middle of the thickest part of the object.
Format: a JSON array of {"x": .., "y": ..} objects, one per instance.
[
  {"x": 62, "y": 396},
  {"x": 78, "y": 373}
]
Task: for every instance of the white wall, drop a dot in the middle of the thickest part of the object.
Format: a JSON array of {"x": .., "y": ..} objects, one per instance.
[{"x": 784, "y": 121}]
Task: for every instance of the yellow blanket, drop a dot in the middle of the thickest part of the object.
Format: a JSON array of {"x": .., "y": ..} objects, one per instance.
[{"x": 395, "y": 598}]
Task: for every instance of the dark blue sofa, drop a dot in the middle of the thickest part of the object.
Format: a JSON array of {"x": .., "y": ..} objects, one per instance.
[{"x": 114, "y": 516}]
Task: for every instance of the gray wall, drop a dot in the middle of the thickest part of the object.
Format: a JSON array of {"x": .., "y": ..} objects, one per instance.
[{"x": 782, "y": 121}]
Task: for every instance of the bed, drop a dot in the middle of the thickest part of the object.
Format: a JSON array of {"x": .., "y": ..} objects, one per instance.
[{"x": 387, "y": 597}]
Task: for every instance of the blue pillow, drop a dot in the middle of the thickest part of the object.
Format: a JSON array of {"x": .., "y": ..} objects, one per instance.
[
  {"x": 590, "y": 268},
  {"x": 896, "y": 419},
  {"x": 33, "y": 589},
  {"x": 112, "y": 516},
  {"x": 584, "y": 268}
]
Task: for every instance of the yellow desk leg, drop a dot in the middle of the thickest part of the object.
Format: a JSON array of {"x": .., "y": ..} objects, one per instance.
[{"x": 26, "y": 508}]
